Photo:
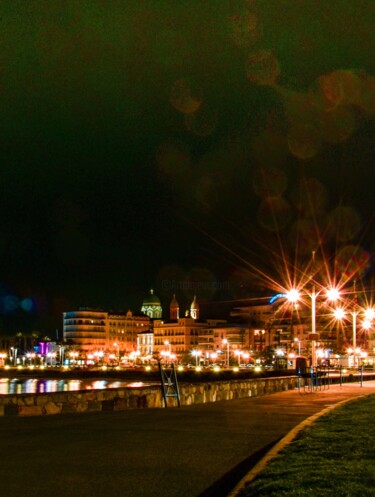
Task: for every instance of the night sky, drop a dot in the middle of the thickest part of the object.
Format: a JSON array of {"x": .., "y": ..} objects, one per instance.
[{"x": 183, "y": 146}]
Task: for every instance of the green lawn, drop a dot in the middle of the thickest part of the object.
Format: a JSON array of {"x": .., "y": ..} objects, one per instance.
[{"x": 333, "y": 457}]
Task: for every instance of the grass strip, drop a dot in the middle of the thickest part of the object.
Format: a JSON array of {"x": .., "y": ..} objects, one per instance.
[{"x": 333, "y": 457}]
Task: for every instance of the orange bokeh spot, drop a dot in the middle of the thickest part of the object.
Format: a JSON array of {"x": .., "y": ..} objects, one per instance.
[
  {"x": 244, "y": 28},
  {"x": 183, "y": 99},
  {"x": 336, "y": 88},
  {"x": 262, "y": 68}
]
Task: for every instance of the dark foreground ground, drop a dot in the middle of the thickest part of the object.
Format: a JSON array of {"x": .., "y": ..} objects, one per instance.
[{"x": 200, "y": 450}]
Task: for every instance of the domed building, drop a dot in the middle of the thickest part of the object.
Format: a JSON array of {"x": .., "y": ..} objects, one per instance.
[{"x": 152, "y": 306}]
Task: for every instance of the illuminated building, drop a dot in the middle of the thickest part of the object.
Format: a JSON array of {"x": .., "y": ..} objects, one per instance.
[
  {"x": 219, "y": 331},
  {"x": 151, "y": 306},
  {"x": 145, "y": 343},
  {"x": 272, "y": 324},
  {"x": 123, "y": 329},
  {"x": 92, "y": 330},
  {"x": 179, "y": 336}
]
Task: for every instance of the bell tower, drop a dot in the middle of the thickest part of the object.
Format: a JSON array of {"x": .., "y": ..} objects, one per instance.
[
  {"x": 174, "y": 309},
  {"x": 194, "y": 309}
]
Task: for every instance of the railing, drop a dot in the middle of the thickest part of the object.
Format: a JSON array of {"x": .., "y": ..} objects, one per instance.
[
  {"x": 351, "y": 374},
  {"x": 320, "y": 377}
]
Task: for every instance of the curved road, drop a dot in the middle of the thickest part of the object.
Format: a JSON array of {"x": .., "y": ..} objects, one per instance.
[{"x": 200, "y": 450}]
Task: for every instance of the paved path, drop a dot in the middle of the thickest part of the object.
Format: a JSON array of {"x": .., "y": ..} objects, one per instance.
[{"x": 200, "y": 450}]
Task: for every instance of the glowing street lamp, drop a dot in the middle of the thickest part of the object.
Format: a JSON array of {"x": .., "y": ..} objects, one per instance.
[
  {"x": 238, "y": 353},
  {"x": 133, "y": 356},
  {"x": 369, "y": 316},
  {"x": 366, "y": 324},
  {"x": 99, "y": 355},
  {"x": 118, "y": 351},
  {"x": 213, "y": 356},
  {"x": 333, "y": 294},
  {"x": 340, "y": 314},
  {"x": 293, "y": 296},
  {"x": 246, "y": 356},
  {"x": 167, "y": 344},
  {"x": 196, "y": 354}
]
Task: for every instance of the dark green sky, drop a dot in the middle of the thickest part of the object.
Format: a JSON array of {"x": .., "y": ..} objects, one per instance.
[{"x": 108, "y": 177}]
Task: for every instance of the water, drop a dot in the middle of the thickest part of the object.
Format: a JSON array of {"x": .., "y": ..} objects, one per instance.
[{"x": 9, "y": 386}]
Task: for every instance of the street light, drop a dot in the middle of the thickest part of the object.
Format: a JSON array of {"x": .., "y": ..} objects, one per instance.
[
  {"x": 213, "y": 356},
  {"x": 226, "y": 342},
  {"x": 118, "y": 351},
  {"x": 298, "y": 342},
  {"x": 238, "y": 353},
  {"x": 246, "y": 357},
  {"x": 293, "y": 296},
  {"x": 196, "y": 354},
  {"x": 340, "y": 314},
  {"x": 369, "y": 314}
]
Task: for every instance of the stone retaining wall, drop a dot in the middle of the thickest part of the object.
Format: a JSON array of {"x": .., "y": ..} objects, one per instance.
[{"x": 120, "y": 399}]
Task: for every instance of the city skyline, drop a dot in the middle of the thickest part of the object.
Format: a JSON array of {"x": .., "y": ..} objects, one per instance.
[{"x": 201, "y": 149}]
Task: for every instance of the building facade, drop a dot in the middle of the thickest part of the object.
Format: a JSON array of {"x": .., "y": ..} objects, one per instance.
[{"x": 92, "y": 330}]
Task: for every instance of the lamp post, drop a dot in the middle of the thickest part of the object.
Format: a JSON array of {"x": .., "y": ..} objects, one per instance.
[
  {"x": 293, "y": 295},
  {"x": 238, "y": 353},
  {"x": 118, "y": 351},
  {"x": 313, "y": 326},
  {"x": 196, "y": 354},
  {"x": 354, "y": 322},
  {"x": 246, "y": 357},
  {"x": 369, "y": 314},
  {"x": 61, "y": 355},
  {"x": 298, "y": 342},
  {"x": 226, "y": 342}
]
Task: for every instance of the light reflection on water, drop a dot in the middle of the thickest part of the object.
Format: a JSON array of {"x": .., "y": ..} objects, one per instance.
[{"x": 9, "y": 386}]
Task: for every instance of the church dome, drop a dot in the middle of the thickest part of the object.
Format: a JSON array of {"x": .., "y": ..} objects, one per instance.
[
  {"x": 151, "y": 299},
  {"x": 152, "y": 306}
]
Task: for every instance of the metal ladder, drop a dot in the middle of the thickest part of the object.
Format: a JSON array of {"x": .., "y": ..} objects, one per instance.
[{"x": 169, "y": 384}]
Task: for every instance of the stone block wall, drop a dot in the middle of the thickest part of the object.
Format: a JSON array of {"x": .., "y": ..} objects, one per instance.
[{"x": 120, "y": 399}]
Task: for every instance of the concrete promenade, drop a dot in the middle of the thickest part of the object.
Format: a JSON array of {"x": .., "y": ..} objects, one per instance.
[{"x": 200, "y": 450}]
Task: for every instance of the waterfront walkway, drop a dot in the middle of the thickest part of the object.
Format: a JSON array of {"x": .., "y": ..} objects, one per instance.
[{"x": 201, "y": 450}]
